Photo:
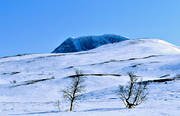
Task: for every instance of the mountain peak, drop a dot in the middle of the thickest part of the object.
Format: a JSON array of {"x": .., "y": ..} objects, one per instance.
[{"x": 85, "y": 43}]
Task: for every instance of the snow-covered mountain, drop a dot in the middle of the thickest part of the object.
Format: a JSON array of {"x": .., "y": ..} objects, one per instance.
[
  {"x": 30, "y": 84},
  {"x": 87, "y": 43}
]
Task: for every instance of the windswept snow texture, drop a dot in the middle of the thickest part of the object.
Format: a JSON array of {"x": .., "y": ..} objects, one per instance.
[
  {"x": 87, "y": 43},
  {"x": 30, "y": 85}
]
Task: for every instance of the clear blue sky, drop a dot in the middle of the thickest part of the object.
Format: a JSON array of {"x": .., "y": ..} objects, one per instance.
[{"x": 39, "y": 26}]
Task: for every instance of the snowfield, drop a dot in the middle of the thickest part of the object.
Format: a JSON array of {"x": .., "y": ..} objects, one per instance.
[{"x": 31, "y": 84}]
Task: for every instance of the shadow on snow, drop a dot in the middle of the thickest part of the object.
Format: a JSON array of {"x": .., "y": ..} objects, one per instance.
[
  {"x": 89, "y": 110},
  {"x": 31, "y": 113}
]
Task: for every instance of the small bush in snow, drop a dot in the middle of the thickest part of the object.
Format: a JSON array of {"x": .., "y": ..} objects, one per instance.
[
  {"x": 58, "y": 105},
  {"x": 134, "y": 93},
  {"x": 74, "y": 90}
]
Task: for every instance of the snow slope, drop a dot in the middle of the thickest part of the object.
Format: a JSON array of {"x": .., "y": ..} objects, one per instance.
[
  {"x": 87, "y": 43},
  {"x": 149, "y": 58}
]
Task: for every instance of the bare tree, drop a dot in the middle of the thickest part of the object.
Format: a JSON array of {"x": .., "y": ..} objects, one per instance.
[
  {"x": 74, "y": 90},
  {"x": 134, "y": 93}
]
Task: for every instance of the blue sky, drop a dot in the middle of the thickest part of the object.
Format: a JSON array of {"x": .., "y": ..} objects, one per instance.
[{"x": 39, "y": 26}]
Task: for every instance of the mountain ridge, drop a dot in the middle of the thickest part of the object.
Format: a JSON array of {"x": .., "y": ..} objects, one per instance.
[{"x": 85, "y": 43}]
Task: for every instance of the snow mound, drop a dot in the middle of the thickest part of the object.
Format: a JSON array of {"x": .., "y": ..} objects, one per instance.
[
  {"x": 87, "y": 43},
  {"x": 141, "y": 47}
]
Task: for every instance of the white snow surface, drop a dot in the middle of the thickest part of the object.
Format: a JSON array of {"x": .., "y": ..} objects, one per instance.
[{"x": 149, "y": 58}]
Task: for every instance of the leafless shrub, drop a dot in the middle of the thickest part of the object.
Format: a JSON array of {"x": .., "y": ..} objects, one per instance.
[
  {"x": 58, "y": 104},
  {"x": 73, "y": 92},
  {"x": 134, "y": 93}
]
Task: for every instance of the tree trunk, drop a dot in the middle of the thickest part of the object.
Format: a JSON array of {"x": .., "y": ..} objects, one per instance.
[{"x": 71, "y": 106}]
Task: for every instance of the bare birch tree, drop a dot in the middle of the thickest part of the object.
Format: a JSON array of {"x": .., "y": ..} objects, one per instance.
[
  {"x": 74, "y": 90},
  {"x": 134, "y": 93}
]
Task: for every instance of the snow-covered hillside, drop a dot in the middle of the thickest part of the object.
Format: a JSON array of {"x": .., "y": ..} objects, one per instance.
[
  {"x": 31, "y": 84},
  {"x": 87, "y": 43}
]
